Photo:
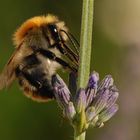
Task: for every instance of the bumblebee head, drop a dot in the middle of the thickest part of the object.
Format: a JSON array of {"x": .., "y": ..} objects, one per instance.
[{"x": 47, "y": 26}]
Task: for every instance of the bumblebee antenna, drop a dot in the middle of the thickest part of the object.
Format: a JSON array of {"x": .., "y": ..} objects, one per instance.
[{"x": 73, "y": 41}]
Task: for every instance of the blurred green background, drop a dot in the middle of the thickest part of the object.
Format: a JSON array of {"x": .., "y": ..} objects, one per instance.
[{"x": 116, "y": 44}]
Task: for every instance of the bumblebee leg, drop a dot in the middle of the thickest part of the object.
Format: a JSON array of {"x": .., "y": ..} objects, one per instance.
[
  {"x": 65, "y": 64},
  {"x": 68, "y": 52},
  {"x": 73, "y": 41},
  {"x": 53, "y": 57}
]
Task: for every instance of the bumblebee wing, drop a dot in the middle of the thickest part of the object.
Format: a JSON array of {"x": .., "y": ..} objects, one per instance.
[{"x": 8, "y": 74}]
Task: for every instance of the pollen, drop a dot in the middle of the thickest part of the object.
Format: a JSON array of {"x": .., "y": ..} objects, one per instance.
[{"x": 31, "y": 23}]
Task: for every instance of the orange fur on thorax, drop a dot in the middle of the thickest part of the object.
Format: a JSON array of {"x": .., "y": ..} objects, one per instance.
[{"x": 34, "y": 22}]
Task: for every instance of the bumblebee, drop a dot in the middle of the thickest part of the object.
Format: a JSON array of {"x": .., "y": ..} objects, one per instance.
[{"x": 41, "y": 43}]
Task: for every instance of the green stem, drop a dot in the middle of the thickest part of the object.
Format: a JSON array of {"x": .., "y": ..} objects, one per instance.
[
  {"x": 85, "y": 55},
  {"x": 85, "y": 42},
  {"x": 79, "y": 136}
]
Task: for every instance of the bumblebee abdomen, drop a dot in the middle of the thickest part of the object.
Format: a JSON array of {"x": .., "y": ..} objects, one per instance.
[
  {"x": 42, "y": 94},
  {"x": 37, "y": 90},
  {"x": 35, "y": 79}
]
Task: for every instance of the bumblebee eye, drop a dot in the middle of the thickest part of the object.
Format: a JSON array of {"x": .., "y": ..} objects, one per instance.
[{"x": 54, "y": 32}]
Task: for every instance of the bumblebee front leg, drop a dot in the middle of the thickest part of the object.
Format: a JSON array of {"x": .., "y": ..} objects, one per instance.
[
  {"x": 50, "y": 55},
  {"x": 67, "y": 51}
]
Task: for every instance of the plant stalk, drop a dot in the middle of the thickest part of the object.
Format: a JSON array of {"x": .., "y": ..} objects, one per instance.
[
  {"x": 85, "y": 42},
  {"x": 79, "y": 137},
  {"x": 85, "y": 52}
]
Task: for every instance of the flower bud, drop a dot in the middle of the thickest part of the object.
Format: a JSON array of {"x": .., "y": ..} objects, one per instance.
[
  {"x": 101, "y": 100},
  {"x": 90, "y": 113},
  {"x": 90, "y": 94},
  {"x": 62, "y": 93},
  {"x": 92, "y": 87},
  {"x": 113, "y": 96},
  {"x": 93, "y": 80},
  {"x": 106, "y": 82},
  {"x": 108, "y": 113},
  {"x": 70, "y": 111}
]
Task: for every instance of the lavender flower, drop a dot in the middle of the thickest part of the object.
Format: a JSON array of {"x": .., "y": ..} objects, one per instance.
[
  {"x": 104, "y": 101},
  {"x": 93, "y": 80},
  {"x": 92, "y": 87},
  {"x": 92, "y": 106}
]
